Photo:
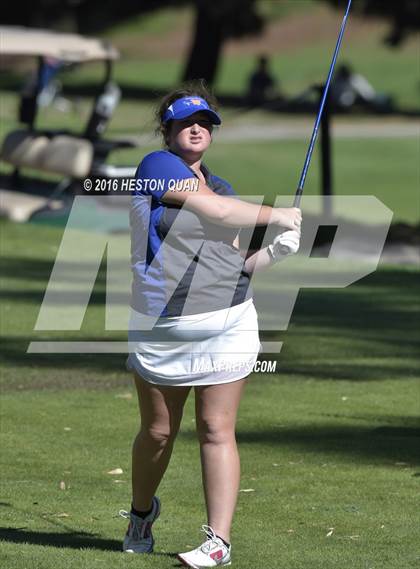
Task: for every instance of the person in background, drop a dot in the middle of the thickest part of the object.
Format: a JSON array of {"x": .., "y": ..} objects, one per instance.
[
  {"x": 261, "y": 83},
  {"x": 349, "y": 89}
]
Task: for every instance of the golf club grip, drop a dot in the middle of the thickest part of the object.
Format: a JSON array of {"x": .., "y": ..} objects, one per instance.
[
  {"x": 284, "y": 249},
  {"x": 298, "y": 197}
]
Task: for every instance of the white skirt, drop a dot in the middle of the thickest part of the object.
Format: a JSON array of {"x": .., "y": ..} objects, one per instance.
[{"x": 200, "y": 349}]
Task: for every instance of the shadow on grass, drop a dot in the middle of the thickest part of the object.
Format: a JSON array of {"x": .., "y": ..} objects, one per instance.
[
  {"x": 30, "y": 270},
  {"x": 383, "y": 444},
  {"x": 27, "y": 269},
  {"x": 343, "y": 371},
  {"x": 72, "y": 540},
  {"x": 385, "y": 301},
  {"x": 14, "y": 351},
  {"x": 392, "y": 445},
  {"x": 60, "y": 371}
]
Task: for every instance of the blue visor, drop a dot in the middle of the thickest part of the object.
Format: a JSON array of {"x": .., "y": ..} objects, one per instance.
[{"x": 187, "y": 106}]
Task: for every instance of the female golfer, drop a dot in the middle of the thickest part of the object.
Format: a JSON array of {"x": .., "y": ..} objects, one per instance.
[{"x": 193, "y": 320}]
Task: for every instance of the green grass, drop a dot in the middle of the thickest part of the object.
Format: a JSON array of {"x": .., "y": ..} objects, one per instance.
[
  {"x": 153, "y": 23},
  {"x": 314, "y": 461},
  {"x": 329, "y": 441},
  {"x": 273, "y": 10},
  {"x": 361, "y": 167}
]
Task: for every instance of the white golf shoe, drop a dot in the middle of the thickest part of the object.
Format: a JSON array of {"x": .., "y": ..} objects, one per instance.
[
  {"x": 212, "y": 553},
  {"x": 139, "y": 538}
]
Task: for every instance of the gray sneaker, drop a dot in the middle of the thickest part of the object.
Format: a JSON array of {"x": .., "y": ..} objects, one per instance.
[{"x": 139, "y": 538}]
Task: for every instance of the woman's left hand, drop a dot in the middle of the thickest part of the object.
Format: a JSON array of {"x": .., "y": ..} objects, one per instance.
[{"x": 285, "y": 244}]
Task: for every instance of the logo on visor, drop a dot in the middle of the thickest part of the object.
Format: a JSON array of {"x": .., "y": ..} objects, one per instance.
[{"x": 189, "y": 102}]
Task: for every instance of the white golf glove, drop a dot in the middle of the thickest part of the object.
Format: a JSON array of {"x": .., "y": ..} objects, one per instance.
[{"x": 285, "y": 244}]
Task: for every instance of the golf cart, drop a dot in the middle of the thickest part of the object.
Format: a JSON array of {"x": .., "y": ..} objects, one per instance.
[{"x": 74, "y": 156}]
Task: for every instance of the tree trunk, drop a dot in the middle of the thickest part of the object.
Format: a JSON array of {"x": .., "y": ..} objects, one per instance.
[{"x": 206, "y": 47}]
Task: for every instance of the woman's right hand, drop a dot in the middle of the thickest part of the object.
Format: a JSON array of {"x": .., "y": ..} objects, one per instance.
[{"x": 287, "y": 217}]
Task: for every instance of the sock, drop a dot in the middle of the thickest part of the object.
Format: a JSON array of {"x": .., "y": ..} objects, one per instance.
[
  {"x": 225, "y": 542},
  {"x": 139, "y": 513}
]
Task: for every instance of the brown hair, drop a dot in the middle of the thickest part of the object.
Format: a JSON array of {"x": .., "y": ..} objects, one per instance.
[{"x": 197, "y": 88}]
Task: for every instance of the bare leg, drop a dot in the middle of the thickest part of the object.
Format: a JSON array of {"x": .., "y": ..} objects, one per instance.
[
  {"x": 216, "y": 410},
  {"x": 161, "y": 413}
]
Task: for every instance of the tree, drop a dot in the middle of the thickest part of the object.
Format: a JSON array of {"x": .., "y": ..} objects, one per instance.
[
  {"x": 403, "y": 15},
  {"x": 216, "y": 21}
]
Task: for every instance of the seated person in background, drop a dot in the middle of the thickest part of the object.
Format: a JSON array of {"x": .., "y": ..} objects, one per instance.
[
  {"x": 42, "y": 89},
  {"x": 261, "y": 84},
  {"x": 349, "y": 88}
]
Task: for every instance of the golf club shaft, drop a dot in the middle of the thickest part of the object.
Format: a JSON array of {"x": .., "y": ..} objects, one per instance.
[
  {"x": 301, "y": 185},
  {"x": 284, "y": 249}
]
